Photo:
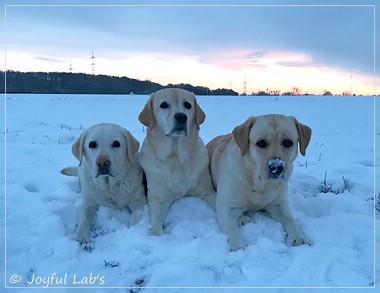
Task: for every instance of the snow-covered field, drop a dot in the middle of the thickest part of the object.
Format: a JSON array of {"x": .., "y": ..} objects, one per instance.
[{"x": 42, "y": 205}]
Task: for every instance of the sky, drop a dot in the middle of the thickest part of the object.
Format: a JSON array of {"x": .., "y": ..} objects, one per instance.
[{"x": 248, "y": 46}]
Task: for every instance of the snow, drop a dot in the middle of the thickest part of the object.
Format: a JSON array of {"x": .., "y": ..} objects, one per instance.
[{"x": 42, "y": 205}]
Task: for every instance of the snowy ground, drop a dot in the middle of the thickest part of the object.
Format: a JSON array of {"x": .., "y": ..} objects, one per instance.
[{"x": 42, "y": 204}]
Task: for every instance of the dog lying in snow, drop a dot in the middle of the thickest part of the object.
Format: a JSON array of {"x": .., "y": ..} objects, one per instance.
[
  {"x": 108, "y": 172},
  {"x": 173, "y": 156},
  {"x": 250, "y": 170}
]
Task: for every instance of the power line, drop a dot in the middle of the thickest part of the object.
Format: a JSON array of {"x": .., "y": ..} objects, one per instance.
[{"x": 93, "y": 62}]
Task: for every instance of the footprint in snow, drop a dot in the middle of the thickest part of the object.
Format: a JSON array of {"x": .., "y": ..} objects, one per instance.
[{"x": 32, "y": 187}]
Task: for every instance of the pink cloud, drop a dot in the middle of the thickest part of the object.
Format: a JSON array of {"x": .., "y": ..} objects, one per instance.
[
  {"x": 240, "y": 59},
  {"x": 235, "y": 59}
]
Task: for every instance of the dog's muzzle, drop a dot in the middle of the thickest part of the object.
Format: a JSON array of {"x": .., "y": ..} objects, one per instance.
[
  {"x": 276, "y": 169},
  {"x": 180, "y": 125},
  {"x": 103, "y": 164}
]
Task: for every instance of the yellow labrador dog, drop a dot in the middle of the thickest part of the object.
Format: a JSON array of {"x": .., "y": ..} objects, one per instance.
[
  {"x": 174, "y": 158},
  {"x": 109, "y": 174},
  {"x": 250, "y": 169}
]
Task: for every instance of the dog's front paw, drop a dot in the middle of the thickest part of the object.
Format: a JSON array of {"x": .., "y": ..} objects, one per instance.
[
  {"x": 243, "y": 220},
  {"x": 156, "y": 231},
  {"x": 236, "y": 244},
  {"x": 83, "y": 238},
  {"x": 82, "y": 234},
  {"x": 296, "y": 239},
  {"x": 87, "y": 246},
  {"x": 135, "y": 218},
  {"x": 84, "y": 242}
]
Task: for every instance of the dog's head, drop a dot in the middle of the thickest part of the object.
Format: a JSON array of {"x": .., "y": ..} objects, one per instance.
[
  {"x": 107, "y": 148},
  {"x": 174, "y": 112},
  {"x": 271, "y": 142}
]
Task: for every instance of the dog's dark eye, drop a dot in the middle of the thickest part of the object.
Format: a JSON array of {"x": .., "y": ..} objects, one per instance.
[
  {"x": 164, "y": 105},
  {"x": 187, "y": 105},
  {"x": 116, "y": 144},
  {"x": 262, "y": 144},
  {"x": 92, "y": 145},
  {"x": 287, "y": 143}
]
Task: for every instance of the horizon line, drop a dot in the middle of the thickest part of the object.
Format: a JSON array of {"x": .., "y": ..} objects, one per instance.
[{"x": 267, "y": 92}]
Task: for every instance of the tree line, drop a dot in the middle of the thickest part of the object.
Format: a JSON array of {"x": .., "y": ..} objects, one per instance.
[{"x": 81, "y": 83}]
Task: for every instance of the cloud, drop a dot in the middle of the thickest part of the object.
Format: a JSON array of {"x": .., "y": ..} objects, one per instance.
[
  {"x": 232, "y": 39},
  {"x": 243, "y": 58},
  {"x": 50, "y": 59},
  {"x": 341, "y": 36},
  {"x": 281, "y": 59}
]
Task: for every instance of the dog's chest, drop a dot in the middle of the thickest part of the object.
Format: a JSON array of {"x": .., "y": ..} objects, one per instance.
[
  {"x": 176, "y": 170},
  {"x": 270, "y": 193},
  {"x": 179, "y": 173},
  {"x": 112, "y": 194},
  {"x": 177, "y": 164}
]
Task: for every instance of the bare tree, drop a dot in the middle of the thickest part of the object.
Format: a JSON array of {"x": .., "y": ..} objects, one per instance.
[{"x": 295, "y": 91}]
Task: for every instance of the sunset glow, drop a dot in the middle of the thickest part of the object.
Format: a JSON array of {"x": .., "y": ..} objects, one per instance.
[{"x": 212, "y": 54}]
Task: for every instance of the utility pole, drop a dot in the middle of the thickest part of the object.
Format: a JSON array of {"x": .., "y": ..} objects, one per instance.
[
  {"x": 351, "y": 85},
  {"x": 245, "y": 84},
  {"x": 71, "y": 67},
  {"x": 93, "y": 63}
]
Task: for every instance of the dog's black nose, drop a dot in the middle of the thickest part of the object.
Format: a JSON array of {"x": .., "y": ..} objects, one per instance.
[
  {"x": 276, "y": 168},
  {"x": 180, "y": 117},
  {"x": 276, "y": 171}
]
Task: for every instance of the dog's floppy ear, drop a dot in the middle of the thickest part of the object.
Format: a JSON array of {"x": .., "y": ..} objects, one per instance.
[
  {"x": 78, "y": 147},
  {"x": 132, "y": 145},
  {"x": 241, "y": 134},
  {"x": 146, "y": 116},
  {"x": 304, "y": 135},
  {"x": 199, "y": 115}
]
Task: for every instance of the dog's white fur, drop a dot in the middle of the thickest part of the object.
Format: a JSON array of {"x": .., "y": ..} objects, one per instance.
[
  {"x": 240, "y": 168},
  {"x": 109, "y": 174},
  {"x": 173, "y": 156}
]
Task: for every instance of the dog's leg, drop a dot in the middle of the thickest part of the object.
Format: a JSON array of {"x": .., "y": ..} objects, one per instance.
[
  {"x": 158, "y": 211},
  {"x": 205, "y": 189},
  {"x": 209, "y": 197},
  {"x": 282, "y": 214},
  {"x": 228, "y": 222},
  {"x": 138, "y": 202},
  {"x": 246, "y": 217},
  {"x": 136, "y": 205},
  {"x": 86, "y": 219}
]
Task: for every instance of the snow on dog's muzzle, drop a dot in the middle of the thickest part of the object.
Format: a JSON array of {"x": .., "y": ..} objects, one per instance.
[{"x": 276, "y": 169}]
